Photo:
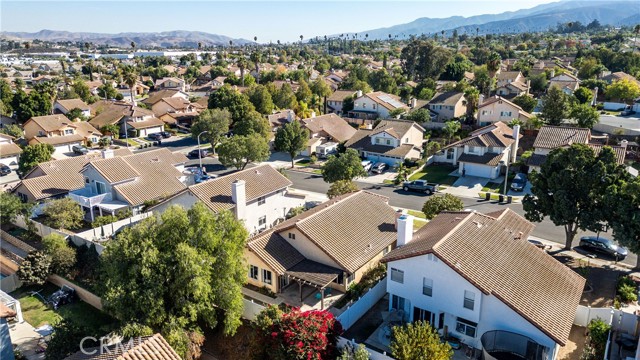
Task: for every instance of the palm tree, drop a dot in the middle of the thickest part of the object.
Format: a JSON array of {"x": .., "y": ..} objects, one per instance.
[
  {"x": 301, "y": 37},
  {"x": 230, "y": 43},
  {"x": 493, "y": 63},
  {"x": 199, "y": 45},
  {"x": 255, "y": 38},
  {"x": 256, "y": 58},
  {"x": 477, "y": 31},
  {"x": 242, "y": 64},
  {"x": 389, "y": 36},
  {"x": 27, "y": 45},
  {"x": 131, "y": 78}
]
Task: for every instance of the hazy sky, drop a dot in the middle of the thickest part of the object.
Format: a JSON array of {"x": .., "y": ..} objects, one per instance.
[{"x": 268, "y": 20}]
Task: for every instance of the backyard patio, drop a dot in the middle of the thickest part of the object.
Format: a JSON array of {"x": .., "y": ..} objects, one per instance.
[{"x": 311, "y": 297}]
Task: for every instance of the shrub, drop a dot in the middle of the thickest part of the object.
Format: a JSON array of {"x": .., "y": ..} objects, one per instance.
[
  {"x": 35, "y": 268},
  {"x": 63, "y": 256},
  {"x": 103, "y": 220},
  {"x": 598, "y": 334},
  {"x": 627, "y": 290},
  {"x": 63, "y": 214},
  {"x": 124, "y": 214}
]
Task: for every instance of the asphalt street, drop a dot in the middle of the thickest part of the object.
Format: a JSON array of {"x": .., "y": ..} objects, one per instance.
[{"x": 410, "y": 200}]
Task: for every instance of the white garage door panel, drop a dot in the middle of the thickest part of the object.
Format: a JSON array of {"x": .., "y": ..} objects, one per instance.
[{"x": 478, "y": 170}]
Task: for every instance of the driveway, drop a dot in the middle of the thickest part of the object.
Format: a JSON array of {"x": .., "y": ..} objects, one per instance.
[
  {"x": 374, "y": 178},
  {"x": 468, "y": 186}
]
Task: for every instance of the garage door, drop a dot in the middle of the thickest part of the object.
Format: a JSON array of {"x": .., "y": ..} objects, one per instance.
[{"x": 478, "y": 170}]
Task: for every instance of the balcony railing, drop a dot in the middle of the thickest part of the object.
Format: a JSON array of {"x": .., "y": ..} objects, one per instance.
[
  {"x": 87, "y": 198},
  {"x": 505, "y": 345}
]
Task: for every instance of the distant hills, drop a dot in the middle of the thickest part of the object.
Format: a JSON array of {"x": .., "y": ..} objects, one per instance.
[
  {"x": 167, "y": 39},
  {"x": 539, "y": 18}
]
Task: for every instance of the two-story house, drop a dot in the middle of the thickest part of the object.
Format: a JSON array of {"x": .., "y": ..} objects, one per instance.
[
  {"x": 553, "y": 137},
  {"x": 510, "y": 84},
  {"x": 64, "y": 106},
  {"x": 391, "y": 142},
  {"x": 60, "y": 132},
  {"x": 56, "y": 178},
  {"x": 338, "y": 75},
  {"x": 324, "y": 129},
  {"x": 324, "y": 247},
  {"x": 157, "y": 96},
  {"x": 374, "y": 105},
  {"x": 566, "y": 82},
  {"x": 335, "y": 100},
  {"x": 113, "y": 183},
  {"x": 134, "y": 120},
  {"x": 258, "y": 196},
  {"x": 497, "y": 109},
  {"x": 9, "y": 151},
  {"x": 475, "y": 277},
  {"x": 175, "y": 105},
  {"x": 484, "y": 152},
  {"x": 448, "y": 105},
  {"x": 170, "y": 83}
]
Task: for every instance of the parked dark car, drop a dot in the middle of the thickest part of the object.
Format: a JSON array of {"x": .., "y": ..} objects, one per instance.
[
  {"x": 603, "y": 246},
  {"x": 421, "y": 186},
  {"x": 379, "y": 168},
  {"x": 165, "y": 134},
  {"x": 65, "y": 295},
  {"x": 80, "y": 150},
  {"x": 155, "y": 137},
  {"x": 519, "y": 182},
  {"x": 4, "y": 170},
  {"x": 194, "y": 153}
]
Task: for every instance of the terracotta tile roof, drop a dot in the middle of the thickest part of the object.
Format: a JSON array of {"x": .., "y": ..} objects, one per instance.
[
  {"x": 158, "y": 178},
  {"x": 112, "y": 112},
  {"x": 57, "y": 140},
  {"x": 332, "y": 124},
  {"x": 508, "y": 75},
  {"x": 490, "y": 159},
  {"x": 115, "y": 169},
  {"x": 9, "y": 149},
  {"x": 281, "y": 117},
  {"x": 450, "y": 98},
  {"x": 351, "y": 241},
  {"x": 157, "y": 96},
  {"x": 51, "y": 123},
  {"x": 314, "y": 272},
  {"x": 616, "y": 76},
  {"x": 571, "y": 85},
  {"x": 551, "y": 137},
  {"x": 57, "y": 177},
  {"x": 275, "y": 251},
  {"x": 340, "y": 95},
  {"x": 84, "y": 129},
  {"x": 259, "y": 181},
  {"x": 152, "y": 122},
  {"x": 380, "y": 98},
  {"x": 497, "y": 134},
  {"x": 177, "y": 103},
  {"x": 492, "y": 253},
  {"x": 153, "y": 347},
  {"x": 71, "y": 104},
  {"x": 397, "y": 128},
  {"x": 619, "y": 151}
]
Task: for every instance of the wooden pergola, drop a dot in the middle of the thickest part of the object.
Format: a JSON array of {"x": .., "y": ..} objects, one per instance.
[{"x": 311, "y": 273}]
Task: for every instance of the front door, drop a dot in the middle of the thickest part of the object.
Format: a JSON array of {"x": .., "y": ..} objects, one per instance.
[{"x": 441, "y": 321}]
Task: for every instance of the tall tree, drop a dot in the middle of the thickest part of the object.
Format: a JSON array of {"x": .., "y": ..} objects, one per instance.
[
  {"x": 171, "y": 272},
  {"x": 131, "y": 78},
  {"x": 11, "y": 206},
  {"x": 63, "y": 256},
  {"x": 240, "y": 150},
  {"x": 419, "y": 340},
  {"x": 437, "y": 204},
  {"x": 624, "y": 90},
  {"x": 571, "y": 187},
  {"x": 33, "y": 155},
  {"x": 215, "y": 122},
  {"x": 341, "y": 187},
  {"x": 228, "y": 98},
  {"x": 63, "y": 213},
  {"x": 291, "y": 138},
  {"x": 623, "y": 213},
  {"x": 253, "y": 123},
  {"x": 526, "y": 102},
  {"x": 585, "y": 115},
  {"x": 347, "y": 166},
  {"x": 555, "y": 107},
  {"x": 261, "y": 99}
]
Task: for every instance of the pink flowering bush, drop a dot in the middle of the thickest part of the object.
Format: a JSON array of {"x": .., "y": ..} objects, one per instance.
[{"x": 289, "y": 334}]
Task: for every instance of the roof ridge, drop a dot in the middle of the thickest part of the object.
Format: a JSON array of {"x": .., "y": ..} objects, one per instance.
[{"x": 453, "y": 230}]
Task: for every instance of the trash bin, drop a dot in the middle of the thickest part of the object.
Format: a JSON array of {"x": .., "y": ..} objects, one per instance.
[
  {"x": 487, "y": 196},
  {"x": 501, "y": 198},
  {"x": 509, "y": 199}
]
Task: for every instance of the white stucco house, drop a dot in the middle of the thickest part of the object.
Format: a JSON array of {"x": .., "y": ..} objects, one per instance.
[
  {"x": 484, "y": 152},
  {"x": 258, "y": 196},
  {"x": 476, "y": 278},
  {"x": 500, "y": 109},
  {"x": 9, "y": 151},
  {"x": 64, "y": 106},
  {"x": 374, "y": 105}
]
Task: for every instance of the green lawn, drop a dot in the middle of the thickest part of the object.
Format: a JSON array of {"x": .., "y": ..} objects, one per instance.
[
  {"x": 37, "y": 313},
  {"x": 418, "y": 224},
  {"x": 494, "y": 187},
  {"x": 436, "y": 174},
  {"x": 418, "y": 214}
]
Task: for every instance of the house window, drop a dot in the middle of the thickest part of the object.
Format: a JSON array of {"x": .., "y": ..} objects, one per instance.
[
  {"x": 466, "y": 327},
  {"x": 377, "y": 140},
  {"x": 373, "y": 106},
  {"x": 364, "y": 105},
  {"x": 469, "y": 299},
  {"x": 23, "y": 197},
  {"x": 100, "y": 188},
  {"x": 68, "y": 132},
  {"x": 397, "y": 275},
  {"x": 427, "y": 287},
  {"x": 292, "y": 236},
  {"x": 388, "y": 142},
  {"x": 41, "y": 133},
  {"x": 262, "y": 220},
  {"x": 253, "y": 272},
  {"x": 350, "y": 278},
  {"x": 397, "y": 302},
  {"x": 472, "y": 149},
  {"x": 261, "y": 200},
  {"x": 86, "y": 180},
  {"x": 449, "y": 154},
  {"x": 266, "y": 276}
]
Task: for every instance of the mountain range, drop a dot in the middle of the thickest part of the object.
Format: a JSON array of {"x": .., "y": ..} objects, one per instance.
[
  {"x": 166, "y": 39},
  {"x": 539, "y": 18}
]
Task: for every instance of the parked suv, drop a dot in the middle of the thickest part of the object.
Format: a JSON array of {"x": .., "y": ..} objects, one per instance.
[
  {"x": 379, "y": 168},
  {"x": 165, "y": 134},
  {"x": 80, "y": 150},
  {"x": 4, "y": 170},
  {"x": 519, "y": 182},
  {"x": 421, "y": 186},
  {"x": 194, "y": 153},
  {"x": 603, "y": 246},
  {"x": 155, "y": 137}
]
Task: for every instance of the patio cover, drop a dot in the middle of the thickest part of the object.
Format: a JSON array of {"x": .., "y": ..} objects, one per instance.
[
  {"x": 112, "y": 205},
  {"x": 313, "y": 273}
]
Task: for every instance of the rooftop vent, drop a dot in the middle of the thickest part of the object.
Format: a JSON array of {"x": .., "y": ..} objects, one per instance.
[{"x": 478, "y": 224}]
